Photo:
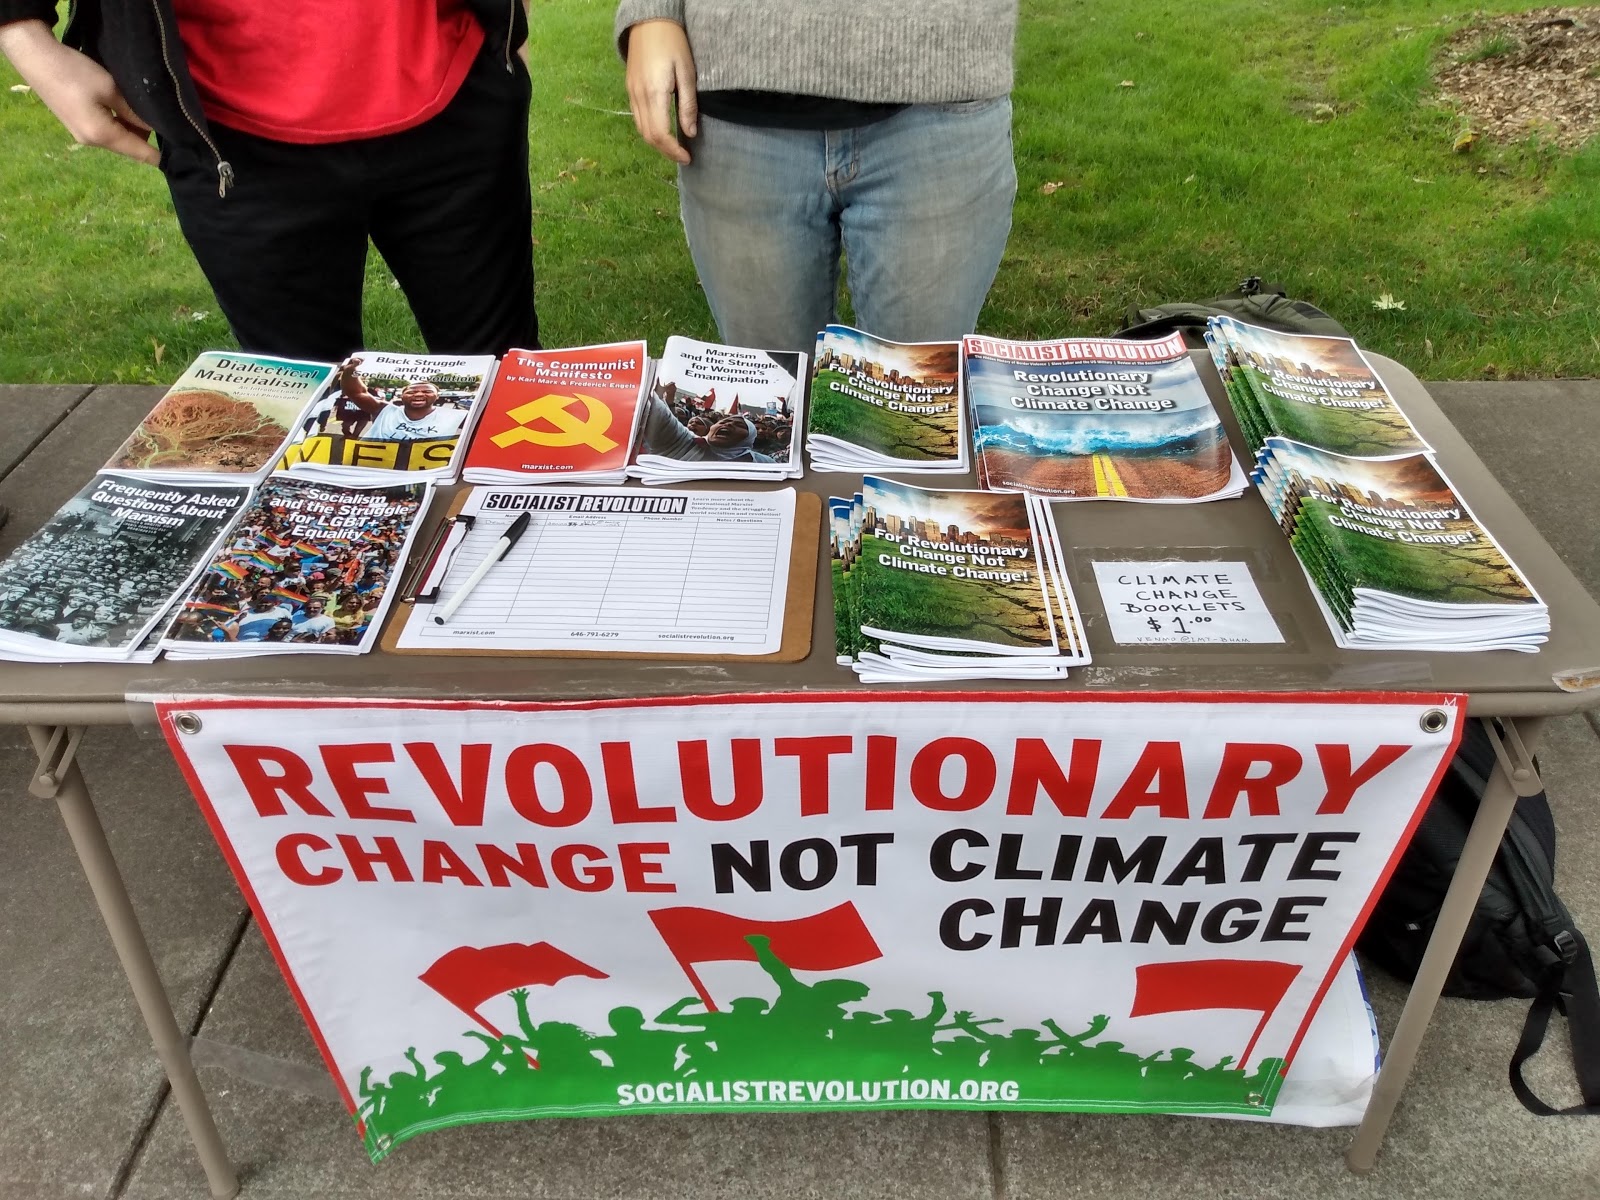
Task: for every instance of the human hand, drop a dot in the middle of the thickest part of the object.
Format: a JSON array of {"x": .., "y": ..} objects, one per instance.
[
  {"x": 78, "y": 90},
  {"x": 661, "y": 69}
]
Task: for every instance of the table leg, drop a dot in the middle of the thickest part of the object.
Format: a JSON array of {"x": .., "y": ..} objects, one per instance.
[
  {"x": 111, "y": 895},
  {"x": 1477, "y": 857}
]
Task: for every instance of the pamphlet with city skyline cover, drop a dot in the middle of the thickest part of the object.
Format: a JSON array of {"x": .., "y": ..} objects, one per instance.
[
  {"x": 881, "y": 405},
  {"x": 1097, "y": 418},
  {"x": 1392, "y": 548},
  {"x": 224, "y": 420},
  {"x": 560, "y": 416},
  {"x": 1319, "y": 391},
  {"x": 390, "y": 416},
  {"x": 1395, "y": 557},
  {"x": 953, "y": 570}
]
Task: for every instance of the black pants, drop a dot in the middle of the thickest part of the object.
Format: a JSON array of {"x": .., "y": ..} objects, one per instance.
[{"x": 447, "y": 204}]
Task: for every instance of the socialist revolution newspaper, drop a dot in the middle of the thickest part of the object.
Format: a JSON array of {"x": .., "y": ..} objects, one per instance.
[{"x": 1097, "y": 418}]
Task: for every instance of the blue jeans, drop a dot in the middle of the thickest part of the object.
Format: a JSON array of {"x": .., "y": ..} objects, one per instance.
[{"x": 920, "y": 204}]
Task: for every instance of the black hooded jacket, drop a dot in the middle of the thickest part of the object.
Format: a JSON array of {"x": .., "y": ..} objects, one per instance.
[{"x": 137, "y": 42}]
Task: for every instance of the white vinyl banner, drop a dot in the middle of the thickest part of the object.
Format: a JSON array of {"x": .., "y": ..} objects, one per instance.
[{"x": 1112, "y": 903}]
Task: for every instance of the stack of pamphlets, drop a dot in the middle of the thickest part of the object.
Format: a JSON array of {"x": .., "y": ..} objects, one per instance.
[
  {"x": 1319, "y": 391},
  {"x": 1395, "y": 557},
  {"x": 560, "y": 416},
  {"x": 1086, "y": 419},
  {"x": 99, "y": 576},
  {"x": 308, "y": 567},
  {"x": 940, "y": 585},
  {"x": 721, "y": 412},
  {"x": 402, "y": 417},
  {"x": 878, "y": 405},
  {"x": 225, "y": 420}
]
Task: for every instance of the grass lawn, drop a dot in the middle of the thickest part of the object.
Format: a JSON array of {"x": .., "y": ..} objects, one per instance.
[{"x": 1163, "y": 155}]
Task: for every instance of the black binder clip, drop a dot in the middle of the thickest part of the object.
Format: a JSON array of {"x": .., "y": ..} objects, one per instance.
[{"x": 421, "y": 585}]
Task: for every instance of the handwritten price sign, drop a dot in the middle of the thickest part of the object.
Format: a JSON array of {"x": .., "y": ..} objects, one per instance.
[{"x": 1184, "y": 603}]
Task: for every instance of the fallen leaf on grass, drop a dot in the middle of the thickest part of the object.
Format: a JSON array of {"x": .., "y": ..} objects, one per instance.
[
  {"x": 561, "y": 177},
  {"x": 1322, "y": 112},
  {"x": 21, "y": 89},
  {"x": 1387, "y": 303},
  {"x": 1464, "y": 142},
  {"x": 1127, "y": 83},
  {"x": 1427, "y": 346},
  {"x": 1191, "y": 178},
  {"x": 1051, "y": 188},
  {"x": 161, "y": 351}
]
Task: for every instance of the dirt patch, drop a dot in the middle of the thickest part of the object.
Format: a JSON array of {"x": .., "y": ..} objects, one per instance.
[{"x": 1528, "y": 74}]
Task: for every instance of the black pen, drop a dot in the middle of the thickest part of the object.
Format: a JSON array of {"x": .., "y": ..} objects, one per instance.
[{"x": 507, "y": 540}]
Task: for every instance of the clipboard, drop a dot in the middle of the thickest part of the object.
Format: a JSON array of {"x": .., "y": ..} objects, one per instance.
[{"x": 798, "y": 608}]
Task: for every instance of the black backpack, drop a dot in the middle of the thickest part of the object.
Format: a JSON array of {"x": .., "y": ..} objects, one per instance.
[
  {"x": 1253, "y": 301},
  {"x": 1521, "y": 940}
]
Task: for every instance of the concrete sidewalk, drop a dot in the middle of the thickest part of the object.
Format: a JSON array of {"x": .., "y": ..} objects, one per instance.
[{"x": 86, "y": 1111}]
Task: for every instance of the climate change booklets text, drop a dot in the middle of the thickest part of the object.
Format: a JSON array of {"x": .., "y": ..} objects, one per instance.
[
  {"x": 937, "y": 585},
  {"x": 390, "y": 417},
  {"x": 560, "y": 416},
  {"x": 878, "y": 405},
  {"x": 92, "y": 583},
  {"x": 225, "y": 420},
  {"x": 308, "y": 567},
  {"x": 1097, "y": 418},
  {"x": 1395, "y": 557},
  {"x": 721, "y": 412}
]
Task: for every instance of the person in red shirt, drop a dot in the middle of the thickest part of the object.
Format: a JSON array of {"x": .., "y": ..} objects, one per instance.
[{"x": 292, "y": 132}]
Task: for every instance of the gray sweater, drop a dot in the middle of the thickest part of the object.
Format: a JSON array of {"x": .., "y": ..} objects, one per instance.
[{"x": 909, "y": 52}]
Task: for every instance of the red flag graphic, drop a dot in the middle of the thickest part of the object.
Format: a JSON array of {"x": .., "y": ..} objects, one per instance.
[
  {"x": 824, "y": 941},
  {"x": 469, "y": 975},
  {"x": 1252, "y": 984}
]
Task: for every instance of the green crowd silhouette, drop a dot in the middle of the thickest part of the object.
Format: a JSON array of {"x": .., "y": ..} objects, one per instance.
[{"x": 805, "y": 1034}]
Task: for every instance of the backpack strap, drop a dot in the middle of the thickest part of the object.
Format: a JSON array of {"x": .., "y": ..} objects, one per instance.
[{"x": 1568, "y": 985}]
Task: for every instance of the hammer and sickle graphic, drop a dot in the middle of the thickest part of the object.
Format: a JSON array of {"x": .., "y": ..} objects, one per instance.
[{"x": 567, "y": 429}]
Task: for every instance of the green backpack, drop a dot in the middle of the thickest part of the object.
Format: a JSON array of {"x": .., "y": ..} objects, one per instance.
[{"x": 1252, "y": 301}]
